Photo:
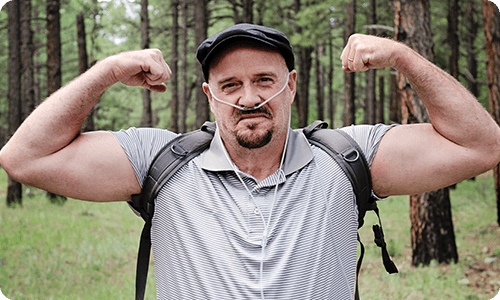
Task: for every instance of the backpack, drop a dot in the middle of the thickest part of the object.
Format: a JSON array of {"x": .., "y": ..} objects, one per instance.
[{"x": 175, "y": 154}]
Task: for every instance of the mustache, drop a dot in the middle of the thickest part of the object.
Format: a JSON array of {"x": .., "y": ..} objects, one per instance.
[{"x": 260, "y": 110}]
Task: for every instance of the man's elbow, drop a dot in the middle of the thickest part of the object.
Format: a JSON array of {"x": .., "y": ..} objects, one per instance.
[
  {"x": 490, "y": 157},
  {"x": 11, "y": 166}
]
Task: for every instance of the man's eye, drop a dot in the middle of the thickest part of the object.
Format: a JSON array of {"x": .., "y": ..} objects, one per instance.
[
  {"x": 228, "y": 86},
  {"x": 266, "y": 80}
]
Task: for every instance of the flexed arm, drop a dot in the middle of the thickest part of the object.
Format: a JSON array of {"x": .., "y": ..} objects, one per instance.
[
  {"x": 462, "y": 140},
  {"x": 48, "y": 151}
]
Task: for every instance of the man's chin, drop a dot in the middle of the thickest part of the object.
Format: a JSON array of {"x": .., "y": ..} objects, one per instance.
[{"x": 252, "y": 139}]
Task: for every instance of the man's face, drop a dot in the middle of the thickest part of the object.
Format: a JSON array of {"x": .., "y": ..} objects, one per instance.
[{"x": 247, "y": 76}]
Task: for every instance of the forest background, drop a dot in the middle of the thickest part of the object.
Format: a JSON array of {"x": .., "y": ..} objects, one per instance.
[
  {"x": 91, "y": 30},
  {"x": 318, "y": 27}
]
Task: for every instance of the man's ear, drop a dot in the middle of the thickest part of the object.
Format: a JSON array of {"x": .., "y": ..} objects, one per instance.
[
  {"x": 209, "y": 95},
  {"x": 292, "y": 83}
]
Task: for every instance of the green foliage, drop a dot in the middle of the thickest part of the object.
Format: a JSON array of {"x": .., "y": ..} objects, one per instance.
[
  {"x": 115, "y": 28},
  {"x": 477, "y": 235}
]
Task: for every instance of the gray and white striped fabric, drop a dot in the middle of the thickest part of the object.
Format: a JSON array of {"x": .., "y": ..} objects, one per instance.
[{"x": 207, "y": 230}]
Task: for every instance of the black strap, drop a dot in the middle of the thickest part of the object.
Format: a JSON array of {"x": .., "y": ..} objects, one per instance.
[
  {"x": 168, "y": 160},
  {"x": 378, "y": 232},
  {"x": 347, "y": 153},
  {"x": 141, "y": 275},
  {"x": 358, "y": 267},
  {"x": 349, "y": 156},
  {"x": 338, "y": 144}
]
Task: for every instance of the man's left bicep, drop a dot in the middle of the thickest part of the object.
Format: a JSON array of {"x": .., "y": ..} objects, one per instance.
[{"x": 413, "y": 159}]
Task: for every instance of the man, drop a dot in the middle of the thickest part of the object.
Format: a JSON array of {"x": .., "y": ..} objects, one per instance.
[{"x": 261, "y": 213}]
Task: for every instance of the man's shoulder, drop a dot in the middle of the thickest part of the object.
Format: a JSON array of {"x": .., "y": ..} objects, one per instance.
[{"x": 367, "y": 137}]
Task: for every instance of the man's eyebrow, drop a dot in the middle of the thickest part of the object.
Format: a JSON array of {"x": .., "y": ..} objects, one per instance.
[
  {"x": 225, "y": 80},
  {"x": 272, "y": 74}
]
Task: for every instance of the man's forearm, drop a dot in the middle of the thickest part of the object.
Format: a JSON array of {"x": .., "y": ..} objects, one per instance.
[{"x": 453, "y": 110}]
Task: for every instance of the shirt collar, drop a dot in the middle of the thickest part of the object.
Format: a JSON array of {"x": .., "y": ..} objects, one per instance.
[{"x": 298, "y": 154}]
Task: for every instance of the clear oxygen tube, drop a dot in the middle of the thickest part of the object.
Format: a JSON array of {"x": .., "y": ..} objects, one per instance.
[
  {"x": 265, "y": 222},
  {"x": 244, "y": 108}
]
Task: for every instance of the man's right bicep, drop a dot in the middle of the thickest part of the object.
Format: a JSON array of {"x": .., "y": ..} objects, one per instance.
[{"x": 92, "y": 167}]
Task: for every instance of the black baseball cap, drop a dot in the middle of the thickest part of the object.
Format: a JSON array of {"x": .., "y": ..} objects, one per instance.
[{"x": 209, "y": 48}]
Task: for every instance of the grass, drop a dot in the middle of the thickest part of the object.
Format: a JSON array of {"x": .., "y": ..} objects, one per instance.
[
  {"x": 475, "y": 276},
  {"x": 83, "y": 250},
  {"x": 79, "y": 250}
]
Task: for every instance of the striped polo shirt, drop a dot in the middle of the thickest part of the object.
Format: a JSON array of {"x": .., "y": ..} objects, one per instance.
[{"x": 207, "y": 230}]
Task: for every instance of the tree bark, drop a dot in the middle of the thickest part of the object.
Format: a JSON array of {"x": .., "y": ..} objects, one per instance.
[
  {"x": 201, "y": 15},
  {"x": 433, "y": 237},
  {"x": 247, "y": 11},
  {"x": 83, "y": 64},
  {"x": 147, "y": 113},
  {"x": 379, "y": 115},
  {"x": 331, "y": 102},
  {"x": 183, "y": 92},
  {"x": 320, "y": 82},
  {"x": 491, "y": 16},
  {"x": 14, "y": 188},
  {"x": 395, "y": 110},
  {"x": 54, "y": 78},
  {"x": 453, "y": 40},
  {"x": 236, "y": 15},
  {"x": 304, "y": 64},
  {"x": 174, "y": 66},
  {"x": 432, "y": 232},
  {"x": 54, "y": 61},
  {"x": 371, "y": 75},
  {"x": 349, "y": 78},
  {"x": 472, "y": 27},
  {"x": 27, "y": 52},
  {"x": 94, "y": 31}
]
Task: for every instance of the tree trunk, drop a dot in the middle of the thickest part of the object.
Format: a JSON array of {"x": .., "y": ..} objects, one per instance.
[
  {"x": 247, "y": 11},
  {"x": 379, "y": 115},
  {"x": 491, "y": 16},
  {"x": 320, "y": 82},
  {"x": 183, "y": 92},
  {"x": 14, "y": 188},
  {"x": 236, "y": 15},
  {"x": 331, "y": 101},
  {"x": 27, "y": 52},
  {"x": 371, "y": 75},
  {"x": 304, "y": 64},
  {"x": 349, "y": 78},
  {"x": 395, "y": 101},
  {"x": 453, "y": 40},
  {"x": 147, "y": 113},
  {"x": 54, "y": 61},
  {"x": 94, "y": 31},
  {"x": 83, "y": 64},
  {"x": 54, "y": 78},
  {"x": 432, "y": 232},
  {"x": 433, "y": 237},
  {"x": 174, "y": 63},
  {"x": 37, "y": 66},
  {"x": 472, "y": 27},
  {"x": 201, "y": 16}
]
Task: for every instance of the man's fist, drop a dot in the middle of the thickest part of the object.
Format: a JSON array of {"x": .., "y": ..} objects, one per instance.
[
  {"x": 364, "y": 52},
  {"x": 145, "y": 68}
]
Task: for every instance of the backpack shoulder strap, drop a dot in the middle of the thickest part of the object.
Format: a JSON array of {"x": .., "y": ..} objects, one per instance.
[
  {"x": 349, "y": 156},
  {"x": 169, "y": 160}
]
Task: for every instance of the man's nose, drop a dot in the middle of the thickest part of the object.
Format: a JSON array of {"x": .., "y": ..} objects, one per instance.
[{"x": 249, "y": 98}]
